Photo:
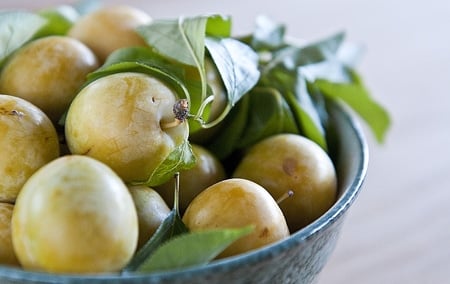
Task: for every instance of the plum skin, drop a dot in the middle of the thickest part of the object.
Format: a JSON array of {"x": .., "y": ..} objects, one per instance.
[
  {"x": 110, "y": 28},
  {"x": 207, "y": 171},
  {"x": 74, "y": 215},
  {"x": 118, "y": 120},
  {"x": 7, "y": 254},
  {"x": 237, "y": 203},
  {"x": 28, "y": 141},
  {"x": 151, "y": 209},
  {"x": 287, "y": 162},
  {"x": 48, "y": 72}
]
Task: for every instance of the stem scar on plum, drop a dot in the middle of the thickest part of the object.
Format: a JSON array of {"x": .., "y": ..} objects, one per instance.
[
  {"x": 285, "y": 196},
  {"x": 181, "y": 111}
]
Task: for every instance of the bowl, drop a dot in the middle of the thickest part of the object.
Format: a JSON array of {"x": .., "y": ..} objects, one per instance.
[{"x": 297, "y": 259}]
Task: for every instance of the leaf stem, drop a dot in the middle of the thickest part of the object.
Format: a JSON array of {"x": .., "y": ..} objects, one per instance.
[
  {"x": 203, "y": 105},
  {"x": 176, "y": 199},
  {"x": 219, "y": 118}
]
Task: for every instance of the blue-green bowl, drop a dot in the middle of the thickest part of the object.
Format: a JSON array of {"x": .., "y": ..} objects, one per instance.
[{"x": 298, "y": 259}]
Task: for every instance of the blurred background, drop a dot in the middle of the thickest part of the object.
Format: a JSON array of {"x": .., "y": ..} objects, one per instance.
[{"x": 398, "y": 230}]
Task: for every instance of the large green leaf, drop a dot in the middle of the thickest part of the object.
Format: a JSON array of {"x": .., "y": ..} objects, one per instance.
[
  {"x": 269, "y": 115},
  {"x": 171, "y": 226},
  {"x": 181, "y": 39},
  {"x": 291, "y": 66},
  {"x": 146, "y": 57},
  {"x": 231, "y": 131},
  {"x": 293, "y": 86},
  {"x": 356, "y": 96},
  {"x": 191, "y": 249},
  {"x": 237, "y": 64},
  {"x": 293, "y": 56},
  {"x": 309, "y": 118},
  {"x": 134, "y": 66},
  {"x": 139, "y": 54},
  {"x": 16, "y": 28},
  {"x": 331, "y": 70}
]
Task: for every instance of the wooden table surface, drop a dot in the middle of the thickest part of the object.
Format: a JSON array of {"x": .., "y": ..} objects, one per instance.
[{"x": 398, "y": 231}]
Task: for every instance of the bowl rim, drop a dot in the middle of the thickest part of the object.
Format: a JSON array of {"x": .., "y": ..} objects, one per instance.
[{"x": 345, "y": 199}]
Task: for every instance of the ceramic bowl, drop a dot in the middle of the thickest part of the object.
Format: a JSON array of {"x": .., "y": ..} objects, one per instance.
[{"x": 298, "y": 259}]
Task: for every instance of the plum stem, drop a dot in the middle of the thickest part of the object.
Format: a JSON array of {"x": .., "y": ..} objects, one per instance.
[
  {"x": 285, "y": 196},
  {"x": 181, "y": 111},
  {"x": 171, "y": 124}
]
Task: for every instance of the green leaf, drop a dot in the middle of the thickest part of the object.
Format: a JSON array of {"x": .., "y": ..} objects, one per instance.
[
  {"x": 134, "y": 66},
  {"x": 181, "y": 40},
  {"x": 16, "y": 28},
  {"x": 268, "y": 34},
  {"x": 289, "y": 69},
  {"x": 184, "y": 40},
  {"x": 59, "y": 20},
  {"x": 308, "y": 118},
  {"x": 181, "y": 158},
  {"x": 218, "y": 26},
  {"x": 237, "y": 64},
  {"x": 293, "y": 86},
  {"x": 356, "y": 96},
  {"x": 331, "y": 70},
  {"x": 146, "y": 57},
  {"x": 292, "y": 56},
  {"x": 139, "y": 54},
  {"x": 192, "y": 249},
  {"x": 171, "y": 226},
  {"x": 232, "y": 128},
  {"x": 269, "y": 115}
]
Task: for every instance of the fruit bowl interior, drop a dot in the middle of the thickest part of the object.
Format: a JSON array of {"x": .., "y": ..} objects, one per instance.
[{"x": 297, "y": 259}]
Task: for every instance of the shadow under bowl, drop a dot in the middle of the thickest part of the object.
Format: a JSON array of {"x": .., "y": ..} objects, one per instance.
[{"x": 297, "y": 259}]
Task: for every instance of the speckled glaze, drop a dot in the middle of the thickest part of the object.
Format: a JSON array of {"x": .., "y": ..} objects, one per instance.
[{"x": 298, "y": 259}]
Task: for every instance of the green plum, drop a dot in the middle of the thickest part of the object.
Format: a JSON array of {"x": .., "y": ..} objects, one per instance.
[
  {"x": 74, "y": 215},
  {"x": 292, "y": 163},
  {"x": 207, "y": 171},
  {"x": 28, "y": 141},
  {"x": 7, "y": 254},
  {"x": 237, "y": 203},
  {"x": 151, "y": 210},
  {"x": 48, "y": 72},
  {"x": 122, "y": 120},
  {"x": 110, "y": 28}
]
